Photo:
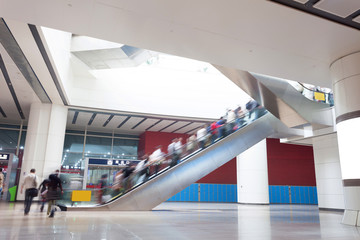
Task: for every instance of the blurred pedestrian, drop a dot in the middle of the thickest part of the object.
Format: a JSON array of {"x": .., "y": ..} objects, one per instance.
[
  {"x": 2, "y": 182},
  {"x": 200, "y": 136},
  {"x": 220, "y": 125},
  {"x": 43, "y": 191},
  {"x": 54, "y": 192},
  {"x": 172, "y": 152},
  {"x": 190, "y": 144},
  {"x": 156, "y": 158},
  {"x": 102, "y": 188},
  {"x": 30, "y": 183},
  {"x": 231, "y": 117},
  {"x": 251, "y": 106}
]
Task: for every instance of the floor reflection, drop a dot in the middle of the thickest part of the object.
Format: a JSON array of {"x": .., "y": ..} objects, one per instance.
[{"x": 172, "y": 220}]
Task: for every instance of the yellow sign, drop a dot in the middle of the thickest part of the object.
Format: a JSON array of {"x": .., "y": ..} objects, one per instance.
[
  {"x": 319, "y": 96},
  {"x": 81, "y": 196}
]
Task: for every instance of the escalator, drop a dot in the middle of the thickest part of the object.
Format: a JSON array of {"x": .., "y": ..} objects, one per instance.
[
  {"x": 170, "y": 181},
  {"x": 281, "y": 99},
  {"x": 287, "y": 112}
]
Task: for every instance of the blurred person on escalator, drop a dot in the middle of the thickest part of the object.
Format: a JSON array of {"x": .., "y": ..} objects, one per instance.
[
  {"x": 156, "y": 158},
  {"x": 190, "y": 144},
  {"x": 102, "y": 185}
]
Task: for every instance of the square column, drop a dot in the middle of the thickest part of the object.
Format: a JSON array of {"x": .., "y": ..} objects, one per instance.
[{"x": 44, "y": 140}]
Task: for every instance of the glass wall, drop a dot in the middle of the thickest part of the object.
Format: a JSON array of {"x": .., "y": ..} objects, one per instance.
[
  {"x": 73, "y": 150},
  {"x": 9, "y": 143},
  {"x": 125, "y": 148},
  {"x": 98, "y": 146},
  {"x": 80, "y": 145},
  {"x": 9, "y": 136}
]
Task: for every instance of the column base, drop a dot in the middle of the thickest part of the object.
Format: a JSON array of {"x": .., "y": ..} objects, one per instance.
[{"x": 351, "y": 217}]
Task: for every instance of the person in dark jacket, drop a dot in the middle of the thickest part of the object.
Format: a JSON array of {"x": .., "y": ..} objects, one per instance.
[
  {"x": 43, "y": 191},
  {"x": 53, "y": 194},
  {"x": 252, "y": 106}
]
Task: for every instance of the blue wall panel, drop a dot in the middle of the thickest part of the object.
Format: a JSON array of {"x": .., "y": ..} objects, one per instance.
[
  {"x": 296, "y": 195},
  {"x": 208, "y": 193}
]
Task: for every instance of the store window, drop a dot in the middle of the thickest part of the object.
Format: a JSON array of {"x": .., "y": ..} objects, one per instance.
[
  {"x": 8, "y": 140},
  {"x": 73, "y": 151},
  {"x": 98, "y": 147},
  {"x": 125, "y": 148}
]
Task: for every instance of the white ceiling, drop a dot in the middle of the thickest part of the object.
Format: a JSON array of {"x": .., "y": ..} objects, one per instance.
[
  {"x": 24, "y": 94},
  {"x": 254, "y": 35}
]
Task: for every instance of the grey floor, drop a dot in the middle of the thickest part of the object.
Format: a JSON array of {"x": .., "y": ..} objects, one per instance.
[{"x": 179, "y": 221}]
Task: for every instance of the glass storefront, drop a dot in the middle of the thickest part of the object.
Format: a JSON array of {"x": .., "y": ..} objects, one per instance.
[
  {"x": 9, "y": 136},
  {"x": 80, "y": 145}
]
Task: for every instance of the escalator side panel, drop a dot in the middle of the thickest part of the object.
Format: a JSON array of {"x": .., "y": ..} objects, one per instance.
[{"x": 259, "y": 92}]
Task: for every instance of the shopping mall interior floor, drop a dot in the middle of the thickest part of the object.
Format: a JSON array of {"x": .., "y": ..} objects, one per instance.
[{"x": 178, "y": 220}]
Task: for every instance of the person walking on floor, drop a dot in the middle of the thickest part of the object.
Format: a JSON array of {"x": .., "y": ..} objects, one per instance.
[
  {"x": 43, "y": 191},
  {"x": 2, "y": 182},
  {"x": 54, "y": 191},
  {"x": 30, "y": 183}
]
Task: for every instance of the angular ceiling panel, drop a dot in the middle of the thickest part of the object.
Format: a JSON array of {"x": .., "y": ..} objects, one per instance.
[
  {"x": 302, "y": 1},
  {"x": 175, "y": 126},
  {"x": 115, "y": 122},
  {"x": 161, "y": 125},
  {"x": 340, "y": 8},
  {"x": 70, "y": 117},
  {"x": 100, "y": 120},
  {"x": 192, "y": 128},
  {"x": 357, "y": 19},
  {"x": 83, "y": 118},
  {"x": 131, "y": 123},
  {"x": 127, "y": 124},
  {"x": 147, "y": 123}
]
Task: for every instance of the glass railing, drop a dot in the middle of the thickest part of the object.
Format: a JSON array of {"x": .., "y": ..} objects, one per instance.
[{"x": 152, "y": 165}]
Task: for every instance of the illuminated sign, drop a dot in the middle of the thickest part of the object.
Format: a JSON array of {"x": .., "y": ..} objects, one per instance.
[
  {"x": 110, "y": 162},
  {"x": 4, "y": 156}
]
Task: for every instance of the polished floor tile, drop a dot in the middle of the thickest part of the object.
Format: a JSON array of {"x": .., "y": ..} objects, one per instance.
[{"x": 173, "y": 220}]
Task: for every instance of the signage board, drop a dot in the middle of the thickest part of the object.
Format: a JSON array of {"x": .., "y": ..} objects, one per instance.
[
  {"x": 112, "y": 162},
  {"x": 4, "y": 156}
]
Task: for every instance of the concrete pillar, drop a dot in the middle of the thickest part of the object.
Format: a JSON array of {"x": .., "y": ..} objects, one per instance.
[
  {"x": 328, "y": 172},
  {"x": 346, "y": 85},
  {"x": 252, "y": 175},
  {"x": 44, "y": 140}
]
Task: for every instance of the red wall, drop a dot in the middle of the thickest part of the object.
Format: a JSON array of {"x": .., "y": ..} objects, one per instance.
[
  {"x": 149, "y": 140},
  {"x": 290, "y": 164},
  {"x": 225, "y": 174}
]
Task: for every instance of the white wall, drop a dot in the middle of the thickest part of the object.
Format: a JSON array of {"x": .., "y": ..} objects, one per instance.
[
  {"x": 252, "y": 175},
  {"x": 328, "y": 172}
]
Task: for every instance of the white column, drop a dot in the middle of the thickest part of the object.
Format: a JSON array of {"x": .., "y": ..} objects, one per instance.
[
  {"x": 328, "y": 172},
  {"x": 346, "y": 84},
  {"x": 252, "y": 175},
  {"x": 44, "y": 140}
]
